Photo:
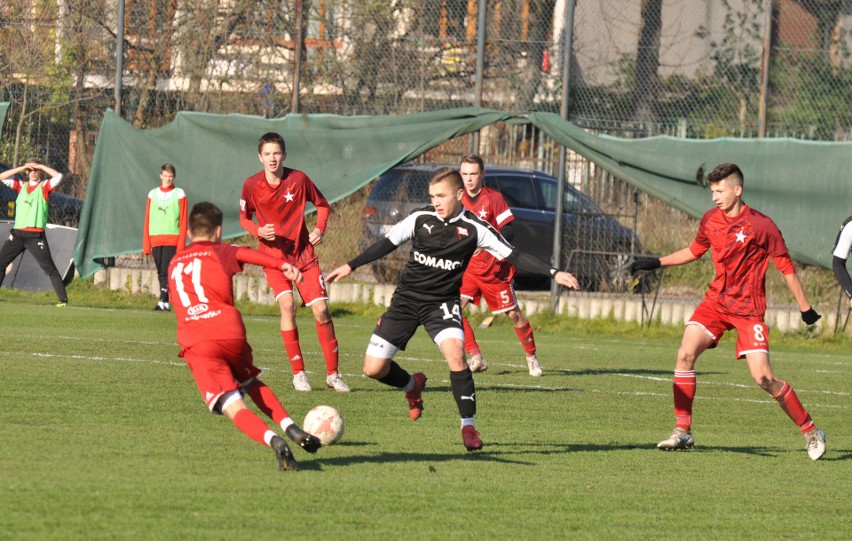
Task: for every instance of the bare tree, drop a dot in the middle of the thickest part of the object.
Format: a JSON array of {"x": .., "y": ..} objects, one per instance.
[
  {"x": 540, "y": 23},
  {"x": 648, "y": 61}
]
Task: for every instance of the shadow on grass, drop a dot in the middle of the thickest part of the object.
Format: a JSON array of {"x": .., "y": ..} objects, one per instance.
[
  {"x": 429, "y": 460},
  {"x": 618, "y": 371},
  {"x": 831, "y": 455},
  {"x": 554, "y": 448}
]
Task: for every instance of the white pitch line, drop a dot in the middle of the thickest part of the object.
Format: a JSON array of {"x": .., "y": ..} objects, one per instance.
[
  {"x": 726, "y": 384},
  {"x": 492, "y": 385}
]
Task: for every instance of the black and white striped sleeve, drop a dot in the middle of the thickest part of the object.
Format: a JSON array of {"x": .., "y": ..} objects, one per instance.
[{"x": 840, "y": 254}]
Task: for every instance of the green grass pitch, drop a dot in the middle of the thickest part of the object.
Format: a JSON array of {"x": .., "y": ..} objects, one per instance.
[{"x": 104, "y": 436}]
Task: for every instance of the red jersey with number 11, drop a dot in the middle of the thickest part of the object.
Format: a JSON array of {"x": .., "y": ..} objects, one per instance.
[
  {"x": 741, "y": 247},
  {"x": 201, "y": 290}
]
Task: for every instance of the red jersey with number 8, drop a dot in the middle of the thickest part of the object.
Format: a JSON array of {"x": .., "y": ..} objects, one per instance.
[{"x": 741, "y": 248}]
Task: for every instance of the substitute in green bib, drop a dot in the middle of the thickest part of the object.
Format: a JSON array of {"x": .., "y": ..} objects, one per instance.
[
  {"x": 31, "y": 219},
  {"x": 164, "y": 233}
]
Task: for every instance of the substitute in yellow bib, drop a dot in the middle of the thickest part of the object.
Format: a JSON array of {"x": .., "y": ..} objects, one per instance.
[
  {"x": 31, "y": 219},
  {"x": 164, "y": 231}
]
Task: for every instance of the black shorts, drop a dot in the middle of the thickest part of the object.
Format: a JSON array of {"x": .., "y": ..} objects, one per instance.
[{"x": 399, "y": 323}]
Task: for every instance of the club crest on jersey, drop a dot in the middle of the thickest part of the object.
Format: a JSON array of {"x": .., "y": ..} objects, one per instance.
[{"x": 462, "y": 232}]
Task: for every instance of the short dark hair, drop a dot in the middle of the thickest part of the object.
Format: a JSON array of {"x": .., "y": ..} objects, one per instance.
[
  {"x": 204, "y": 219},
  {"x": 168, "y": 167},
  {"x": 271, "y": 137},
  {"x": 475, "y": 159},
  {"x": 447, "y": 173},
  {"x": 725, "y": 170}
]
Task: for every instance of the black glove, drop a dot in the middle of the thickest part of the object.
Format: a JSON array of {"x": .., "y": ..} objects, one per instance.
[
  {"x": 810, "y": 316},
  {"x": 644, "y": 265}
]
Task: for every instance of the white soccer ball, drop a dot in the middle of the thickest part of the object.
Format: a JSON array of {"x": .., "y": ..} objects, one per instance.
[{"x": 326, "y": 423}]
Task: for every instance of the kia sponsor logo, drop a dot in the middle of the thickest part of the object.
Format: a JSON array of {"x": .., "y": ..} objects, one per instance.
[{"x": 197, "y": 309}]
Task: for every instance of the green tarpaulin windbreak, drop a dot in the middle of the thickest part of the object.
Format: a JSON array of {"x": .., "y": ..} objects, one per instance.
[
  {"x": 802, "y": 185},
  {"x": 4, "y": 106},
  {"x": 214, "y": 154}
]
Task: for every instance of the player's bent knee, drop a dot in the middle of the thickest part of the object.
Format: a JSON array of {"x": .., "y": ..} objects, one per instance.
[
  {"x": 231, "y": 403},
  {"x": 765, "y": 382}
]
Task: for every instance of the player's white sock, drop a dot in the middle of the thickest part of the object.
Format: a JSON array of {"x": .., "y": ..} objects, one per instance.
[{"x": 268, "y": 435}]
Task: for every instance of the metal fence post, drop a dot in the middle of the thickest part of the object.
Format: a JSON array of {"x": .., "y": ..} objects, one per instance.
[
  {"x": 119, "y": 56},
  {"x": 480, "y": 67},
  {"x": 765, "y": 56},
  {"x": 567, "y": 40},
  {"x": 297, "y": 59}
]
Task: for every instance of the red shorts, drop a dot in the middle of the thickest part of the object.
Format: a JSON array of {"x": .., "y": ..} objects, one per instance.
[
  {"x": 311, "y": 289},
  {"x": 220, "y": 366},
  {"x": 752, "y": 332},
  {"x": 498, "y": 294}
]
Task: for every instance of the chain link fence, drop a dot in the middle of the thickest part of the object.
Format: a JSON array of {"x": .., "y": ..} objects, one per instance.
[{"x": 686, "y": 68}]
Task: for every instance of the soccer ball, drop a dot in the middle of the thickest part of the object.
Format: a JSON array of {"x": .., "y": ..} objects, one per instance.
[{"x": 325, "y": 423}]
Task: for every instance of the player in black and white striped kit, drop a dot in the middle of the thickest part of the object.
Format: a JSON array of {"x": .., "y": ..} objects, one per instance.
[
  {"x": 842, "y": 246},
  {"x": 444, "y": 237}
]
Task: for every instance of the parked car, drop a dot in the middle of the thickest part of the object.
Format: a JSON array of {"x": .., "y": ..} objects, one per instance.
[
  {"x": 595, "y": 247},
  {"x": 62, "y": 209}
]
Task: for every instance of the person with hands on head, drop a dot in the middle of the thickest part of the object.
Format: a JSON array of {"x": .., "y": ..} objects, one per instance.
[
  {"x": 742, "y": 241},
  {"x": 444, "y": 237},
  {"x": 212, "y": 336},
  {"x": 28, "y": 231},
  {"x": 842, "y": 246}
]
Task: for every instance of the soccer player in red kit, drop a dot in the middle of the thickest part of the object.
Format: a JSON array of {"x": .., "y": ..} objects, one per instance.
[
  {"x": 486, "y": 276},
  {"x": 212, "y": 336},
  {"x": 742, "y": 241},
  {"x": 278, "y": 195}
]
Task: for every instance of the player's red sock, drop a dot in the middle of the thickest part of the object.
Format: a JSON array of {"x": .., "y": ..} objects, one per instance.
[
  {"x": 684, "y": 394},
  {"x": 470, "y": 345},
  {"x": 794, "y": 409},
  {"x": 328, "y": 343},
  {"x": 251, "y": 425},
  {"x": 266, "y": 401},
  {"x": 525, "y": 335},
  {"x": 294, "y": 350}
]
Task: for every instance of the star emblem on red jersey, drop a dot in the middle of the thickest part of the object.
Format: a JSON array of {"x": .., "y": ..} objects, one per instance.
[
  {"x": 741, "y": 236},
  {"x": 482, "y": 214},
  {"x": 289, "y": 196}
]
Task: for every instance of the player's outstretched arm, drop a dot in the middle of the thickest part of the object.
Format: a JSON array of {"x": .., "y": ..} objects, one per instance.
[
  {"x": 566, "y": 279},
  {"x": 291, "y": 272},
  {"x": 528, "y": 263},
  {"x": 809, "y": 315},
  {"x": 339, "y": 273},
  {"x": 681, "y": 257},
  {"x": 248, "y": 255},
  {"x": 838, "y": 265}
]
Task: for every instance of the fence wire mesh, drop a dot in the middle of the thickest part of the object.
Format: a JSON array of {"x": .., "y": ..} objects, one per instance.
[{"x": 687, "y": 68}]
